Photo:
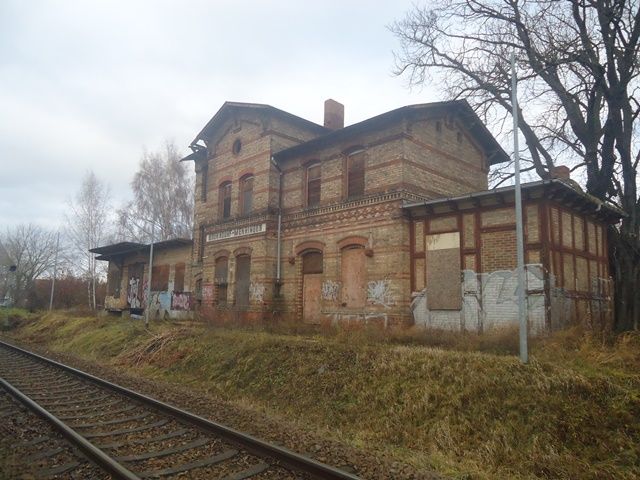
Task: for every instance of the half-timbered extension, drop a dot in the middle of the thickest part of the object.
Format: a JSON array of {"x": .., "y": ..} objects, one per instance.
[{"x": 463, "y": 258}]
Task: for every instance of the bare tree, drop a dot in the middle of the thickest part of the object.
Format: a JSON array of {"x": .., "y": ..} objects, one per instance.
[
  {"x": 32, "y": 250},
  {"x": 163, "y": 192},
  {"x": 578, "y": 73},
  {"x": 87, "y": 228}
]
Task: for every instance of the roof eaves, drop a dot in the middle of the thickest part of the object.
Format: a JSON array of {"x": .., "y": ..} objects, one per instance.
[{"x": 556, "y": 183}]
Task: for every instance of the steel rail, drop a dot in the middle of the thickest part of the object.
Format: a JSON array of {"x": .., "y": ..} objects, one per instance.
[
  {"x": 94, "y": 453},
  {"x": 255, "y": 445}
]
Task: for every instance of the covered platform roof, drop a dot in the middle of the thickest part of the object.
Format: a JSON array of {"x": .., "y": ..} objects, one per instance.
[{"x": 119, "y": 249}]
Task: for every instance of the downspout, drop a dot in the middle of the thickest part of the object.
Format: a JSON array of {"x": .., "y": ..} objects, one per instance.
[{"x": 279, "y": 244}]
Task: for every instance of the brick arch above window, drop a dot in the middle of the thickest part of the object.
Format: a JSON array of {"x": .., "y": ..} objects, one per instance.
[
  {"x": 353, "y": 149},
  {"x": 353, "y": 240},
  {"x": 247, "y": 172},
  {"x": 221, "y": 253},
  {"x": 309, "y": 245},
  {"x": 242, "y": 251}
]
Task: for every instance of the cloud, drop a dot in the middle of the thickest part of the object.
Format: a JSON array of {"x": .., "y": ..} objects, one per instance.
[{"x": 88, "y": 85}]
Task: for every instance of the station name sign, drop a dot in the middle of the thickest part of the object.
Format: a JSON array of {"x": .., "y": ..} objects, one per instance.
[{"x": 237, "y": 232}]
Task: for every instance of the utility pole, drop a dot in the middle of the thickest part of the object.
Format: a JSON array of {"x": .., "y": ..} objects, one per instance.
[
  {"x": 55, "y": 269},
  {"x": 522, "y": 305},
  {"x": 148, "y": 308}
]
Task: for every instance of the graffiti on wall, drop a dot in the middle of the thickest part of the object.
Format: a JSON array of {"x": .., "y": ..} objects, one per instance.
[
  {"x": 330, "y": 290},
  {"x": 379, "y": 293},
  {"x": 256, "y": 292},
  {"x": 180, "y": 301},
  {"x": 489, "y": 300},
  {"x": 207, "y": 294},
  {"x": 133, "y": 296}
]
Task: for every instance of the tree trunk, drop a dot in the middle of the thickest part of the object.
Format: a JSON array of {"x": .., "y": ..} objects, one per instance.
[{"x": 624, "y": 251}]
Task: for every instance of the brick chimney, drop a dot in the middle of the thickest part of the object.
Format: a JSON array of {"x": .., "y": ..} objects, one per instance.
[
  {"x": 333, "y": 114},
  {"x": 561, "y": 172}
]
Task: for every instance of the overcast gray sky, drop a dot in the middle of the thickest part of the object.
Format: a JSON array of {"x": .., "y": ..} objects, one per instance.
[{"x": 87, "y": 85}]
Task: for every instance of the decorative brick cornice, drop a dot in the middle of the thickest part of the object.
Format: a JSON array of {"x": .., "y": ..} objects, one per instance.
[{"x": 361, "y": 202}]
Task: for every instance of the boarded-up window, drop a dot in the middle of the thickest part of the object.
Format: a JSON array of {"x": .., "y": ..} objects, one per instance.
[
  {"x": 312, "y": 262},
  {"x": 312, "y": 286},
  {"x": 354, "y": 278},
  {"x": 243, "y": 271},
  {"x": 246, "y": 195},
  {"x": 178, "y": 278},
  {"x": 160, "y": 278},
  {"x": 355, "y": 174},
  {"x": 220, "y": 279},
  {"x": 313, "y": 185},
  {"x": 224, "y": 200},
  {"x": 443, "y": 271}
]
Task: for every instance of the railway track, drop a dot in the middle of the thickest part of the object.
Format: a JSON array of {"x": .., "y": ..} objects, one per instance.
[{"x": 131, "y": 436}]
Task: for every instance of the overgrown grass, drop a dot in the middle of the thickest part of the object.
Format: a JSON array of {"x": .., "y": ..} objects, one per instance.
[{"x": 572, "y": 413}]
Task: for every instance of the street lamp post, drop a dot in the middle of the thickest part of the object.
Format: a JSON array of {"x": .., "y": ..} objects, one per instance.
[{"x": 522, "y": 306}]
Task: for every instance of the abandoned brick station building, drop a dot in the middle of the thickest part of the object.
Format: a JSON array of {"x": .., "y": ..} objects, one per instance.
[{"x": 386, "y": 220}]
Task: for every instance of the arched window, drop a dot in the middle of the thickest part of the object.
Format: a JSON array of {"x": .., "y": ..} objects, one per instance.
[
  {"x": 220, "y": 278},
  {"x": 246, "y": 194},
  {"x": 313, "y": 184},
  {"x": 224, "y": 200},
  {"x": 355, "y": 174}
]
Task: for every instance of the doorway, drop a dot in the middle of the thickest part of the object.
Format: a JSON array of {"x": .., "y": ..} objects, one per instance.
[{"x": 312, "y": 286}]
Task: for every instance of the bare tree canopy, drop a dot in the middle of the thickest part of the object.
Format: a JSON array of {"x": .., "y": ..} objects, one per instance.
[
  {"x": 88, "y": 227},
  {"x": 578, "y": 83},
  {"x": 32, "y": 250},
  {"x": 163, "y": 196}
]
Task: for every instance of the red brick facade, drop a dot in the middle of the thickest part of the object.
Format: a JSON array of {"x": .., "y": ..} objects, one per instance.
[
  {"x": 388, "y": 220},
  {"x": 358, "y": 230}
]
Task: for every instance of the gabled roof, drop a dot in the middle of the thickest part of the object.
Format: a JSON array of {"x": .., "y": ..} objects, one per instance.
[
  {"x": 123, "y": 248},
  {"x": 228, "y": 108},
  {"x": 493, "y": 150}
]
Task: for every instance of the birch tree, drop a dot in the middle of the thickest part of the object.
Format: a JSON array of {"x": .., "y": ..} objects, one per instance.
[
  {"x": 88, "y": 227},
  {"x": 163, "y": 190}
]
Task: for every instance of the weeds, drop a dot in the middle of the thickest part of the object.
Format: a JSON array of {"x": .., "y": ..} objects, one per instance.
[{"x": 459, "y": 403}]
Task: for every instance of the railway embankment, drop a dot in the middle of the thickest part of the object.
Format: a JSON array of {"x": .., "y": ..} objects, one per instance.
[{"x": 393, "y": 402}]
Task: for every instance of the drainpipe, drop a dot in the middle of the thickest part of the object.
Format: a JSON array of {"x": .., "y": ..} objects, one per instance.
[{"x": 279, "y": 245}]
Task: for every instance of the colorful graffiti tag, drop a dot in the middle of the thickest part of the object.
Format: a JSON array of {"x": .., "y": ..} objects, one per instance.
[{"x": 181, "y": 301}]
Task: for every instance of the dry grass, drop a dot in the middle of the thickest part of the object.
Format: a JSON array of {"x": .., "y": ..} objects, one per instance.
[{"x": 456, "y": 403}]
